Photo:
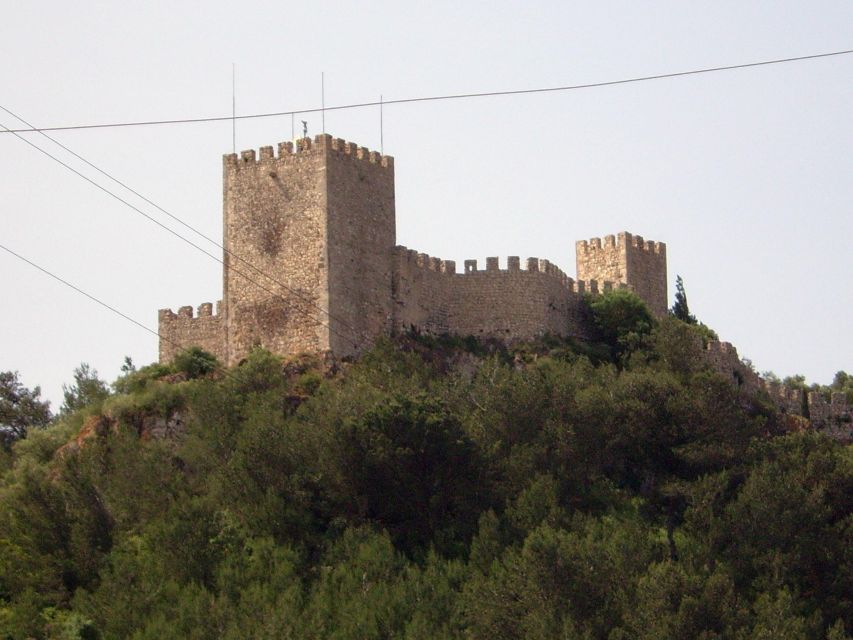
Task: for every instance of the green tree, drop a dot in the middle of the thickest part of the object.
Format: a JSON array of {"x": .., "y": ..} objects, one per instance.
[
  {"x": 195, "y": 362},
  {"x": 843, "y": 382},
  {"x": 623, "y": 321},
  {"x": 20, "y": 408},
  {"x": 408, "y": 464},
  {"x": 87, "y": 390},
  {"x": 680, "y": 309}
]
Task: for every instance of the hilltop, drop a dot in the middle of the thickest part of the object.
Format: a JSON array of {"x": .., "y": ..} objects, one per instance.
[{"x": 434, "y": 487}]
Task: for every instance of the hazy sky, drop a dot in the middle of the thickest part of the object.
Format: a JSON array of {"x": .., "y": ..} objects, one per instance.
[{"x": 746, "y": 175}]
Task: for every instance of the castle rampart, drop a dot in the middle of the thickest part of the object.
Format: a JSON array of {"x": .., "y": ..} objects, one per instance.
[
  {"x": 724, "y": 358},
  {"x": 183, "y": 329},
  {"x": 511, "y": 303},
  {"x": 310, "y": 265},
  {"x": 788, "y": 399},
  {"x": 629, "y": 259}
]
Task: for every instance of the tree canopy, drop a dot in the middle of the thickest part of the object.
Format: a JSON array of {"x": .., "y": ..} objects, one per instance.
[
  {"x": 433, "y": 488},
  {"x": 20, "y": 408}
]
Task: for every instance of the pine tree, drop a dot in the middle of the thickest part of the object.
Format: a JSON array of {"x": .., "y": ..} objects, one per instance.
[{"x": 680, "y": 309}]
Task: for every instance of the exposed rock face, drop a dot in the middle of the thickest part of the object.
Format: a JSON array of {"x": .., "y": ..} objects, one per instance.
[{"x": 157, "y": 427}]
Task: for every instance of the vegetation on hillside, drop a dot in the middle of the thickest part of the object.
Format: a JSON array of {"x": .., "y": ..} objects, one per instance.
[{"x": 434, "y": 488}]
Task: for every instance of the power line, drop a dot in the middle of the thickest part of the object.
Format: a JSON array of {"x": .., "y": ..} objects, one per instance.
[
  {"x": 183, "y": 238},
  {"x": 88, "y": 295},
  {"x": 121, "y": 314},
  {"x": 456, "y": 96},
  {"x": 354, "y": 331}
]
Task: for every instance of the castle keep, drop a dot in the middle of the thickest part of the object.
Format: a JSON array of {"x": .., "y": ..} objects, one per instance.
[{"x": 311, "y": 265}]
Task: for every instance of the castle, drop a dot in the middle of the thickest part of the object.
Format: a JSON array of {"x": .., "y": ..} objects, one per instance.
[{"x": 311, "y": 264}]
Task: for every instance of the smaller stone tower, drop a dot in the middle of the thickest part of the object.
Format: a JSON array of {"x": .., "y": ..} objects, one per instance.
[{"x": 640, "y": 264}]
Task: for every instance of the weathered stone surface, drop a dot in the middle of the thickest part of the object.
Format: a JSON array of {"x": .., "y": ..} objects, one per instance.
[
  {"x": 311, "y": 266},
  {"x": 628, "y": 259}
]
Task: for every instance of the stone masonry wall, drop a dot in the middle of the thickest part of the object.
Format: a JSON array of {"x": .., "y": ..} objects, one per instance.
[
  {"x": 181, "y": 330},
  {"x": 361, "y": 232},
  {"x": 647, "y": 271},
  {"x": 275, "y": 223},
  {"x": 626, "y": 258},
  {"x": 788, "y": 400},
  {"x": 310, "y": 265},
  {"x": 507, "y": 304},
  {"x": 833, "y": 417},
  {"x": 836, "y": 410},
  {"x": 724, "y": 358}
]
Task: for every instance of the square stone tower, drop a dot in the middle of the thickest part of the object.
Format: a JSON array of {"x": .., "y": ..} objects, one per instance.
[
  {"x": 626, "y": 258},
  {"x": 309, "y": 235}
]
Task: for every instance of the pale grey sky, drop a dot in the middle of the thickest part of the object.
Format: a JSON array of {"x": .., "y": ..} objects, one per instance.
[{"x": 746, "y": 175}]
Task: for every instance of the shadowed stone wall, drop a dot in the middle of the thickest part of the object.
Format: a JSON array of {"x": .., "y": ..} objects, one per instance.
[{"x": 361, "y": 234}]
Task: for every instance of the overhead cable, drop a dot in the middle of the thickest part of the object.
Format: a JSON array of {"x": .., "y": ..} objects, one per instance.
[
  {"x": 455, "y": 96},
  {"x": 181, "y": 237},
  {"x": 178, "y": 220}
]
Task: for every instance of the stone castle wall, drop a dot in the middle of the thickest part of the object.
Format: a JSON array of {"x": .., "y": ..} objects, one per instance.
[
  {"x": 180, "y": 330},
  {"x": 274, "y": 275},
  {"x": 310, "y": 265},
  {"x": 788, "y": 400},
  {"x": 361, "y": 234},
  {"x": 508, "y": 304},
  {"x": 639, "y": 263},
  {"x": 724, "y": 358},
  {"x": 837, "y": 409},
  {"x": 833, "y": 415}
]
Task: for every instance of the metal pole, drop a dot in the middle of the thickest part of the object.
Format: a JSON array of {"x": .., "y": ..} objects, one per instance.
[
  {"x": 323, "y": 98},
  {"x": 233, "y": 108},
  {"x": 381, "y": 128}
]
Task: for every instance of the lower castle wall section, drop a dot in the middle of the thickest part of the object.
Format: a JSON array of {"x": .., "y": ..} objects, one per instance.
[
  {"x": 836, "y": 410},
  {"x": 788, "y": 400},
  {"x": 421, "y": 292},
  {"x": 724, "y": 358},
  {"x": 182, "y": 330},
  {"x": 835, "y": 417},
  {"x": 291, "y": 323},
  {"x": 508, "y": 304}
]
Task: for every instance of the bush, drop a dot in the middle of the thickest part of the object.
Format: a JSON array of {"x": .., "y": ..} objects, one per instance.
[
  {"x": 622, "y": 320},
  {"x": 195, "y": 362}
]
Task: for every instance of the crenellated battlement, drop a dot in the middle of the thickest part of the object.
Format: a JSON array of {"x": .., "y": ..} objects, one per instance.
[
  {"x": 203, "y": 328},
  {"x": 414, "y": 259},
  {"x": 205, "y": 310},
  {"x": 287, "y": 152},
  {"x": 627, "y": 258},
  {"x": 621, "y": 240},
  {"x": 411, "y": 259}
]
